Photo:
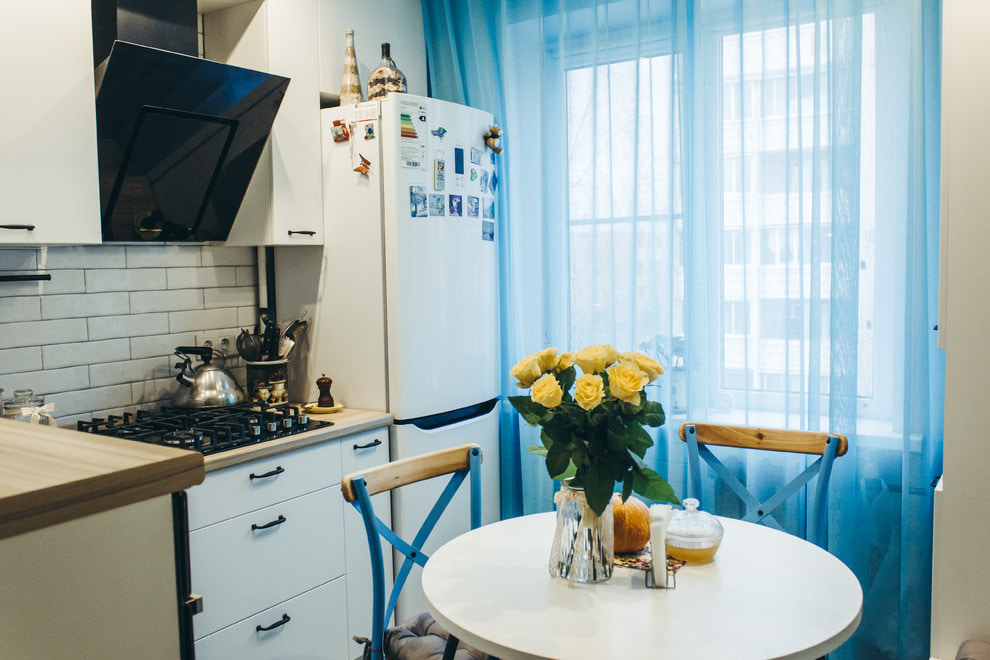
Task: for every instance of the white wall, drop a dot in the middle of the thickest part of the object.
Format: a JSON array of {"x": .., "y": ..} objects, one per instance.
[
  {"x": 961, "y": 568},
  {"x": 98, "y": 338}
]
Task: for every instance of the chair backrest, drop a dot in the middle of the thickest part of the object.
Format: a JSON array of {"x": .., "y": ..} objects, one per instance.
[
  {"x": 358, "y": 488},
  {"x": 827, "y": 446}
]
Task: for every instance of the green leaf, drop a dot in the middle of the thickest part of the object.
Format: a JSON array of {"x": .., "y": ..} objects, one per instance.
[
  {"x": 638, "y": 440},
  {"x": 566, "y": 378},
  {"x": 537, "y": 449},
  {"x": 627, "y": 485},
  {"x": 558, "y": 457},
  {"x": 617, "y": 437},
  {"x": 597, "y": 488},
  {"x": 651, "y": 485},
  {"x": 652, "y": 414},
  {"x": 531, "y": 411}
]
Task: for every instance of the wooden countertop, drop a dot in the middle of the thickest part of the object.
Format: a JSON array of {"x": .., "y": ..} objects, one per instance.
[
  {"x": 51, "y": 475},
  {"x": 345, "y": 422}
]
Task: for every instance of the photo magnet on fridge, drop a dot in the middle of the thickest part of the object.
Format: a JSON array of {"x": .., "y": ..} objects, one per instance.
[
  {"x": 490, "y": 209},
  {"x": 487, "y": 230},
  {"x": 340, "y": 131},
  {"x": 454, "y": 208},
  {"x": 472, "y": 205},
  {"x": 484, "y": 181},
  {"x": 438, "y": 204},
  {"x": 417, "y": 201},
  {"x": 476, "y": 156},
  {"x": 439, "y": 172}
]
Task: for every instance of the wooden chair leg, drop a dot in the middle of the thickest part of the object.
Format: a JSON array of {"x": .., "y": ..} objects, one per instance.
[{"x": 451, "y": 648}]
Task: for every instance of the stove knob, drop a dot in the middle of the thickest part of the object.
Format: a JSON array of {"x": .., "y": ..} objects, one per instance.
[
  {"x": 286, "y": 423},
  {"x": 303, "y": 420},
  {"x": 254, "y": 429},
  {"x": 272, "y": 427}
]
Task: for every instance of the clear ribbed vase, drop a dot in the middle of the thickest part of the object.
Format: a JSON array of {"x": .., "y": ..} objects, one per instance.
[{"x": 583, "y": 547}]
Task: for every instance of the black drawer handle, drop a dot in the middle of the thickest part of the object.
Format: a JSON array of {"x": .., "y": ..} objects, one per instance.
[
  {"x": 305, "y": 232},
  {"x": 278, "y": 470},
  {"x": 277, "y": 521},
  {"x": 277, "y": 624},
  {"x": 26, "y": 227},
  {"x": 375, "y": 443}
]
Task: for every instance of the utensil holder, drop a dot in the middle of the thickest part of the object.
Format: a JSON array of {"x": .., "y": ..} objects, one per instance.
[{"x": 266, "y": 381}]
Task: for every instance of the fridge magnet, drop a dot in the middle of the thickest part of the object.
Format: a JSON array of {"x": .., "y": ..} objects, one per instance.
[
  {"x": 417, "y": 201},
  {"x": 438, "y": 204},
  {"x": 493, "y": 182},
  {"x": 439, "y": 172},
  {"x": 459, "y": 167},
  {"x": 487, "y": 230},
  {"x": 339, "y": 131},
  {"x": 363, "y": 166},
  {"x": 474, "y": 174},
  {"x": 454, "y": 207},
  {"x": 439, "y": 132},
  {"x": 472, "y": 207},
  {"x": 484, "y": 181},
  {"x": 490, "y": 209},
  {"x": 476, "y": 156},
  {"x": 492, "y": 138},
  {"x": 369, "y": 131}
]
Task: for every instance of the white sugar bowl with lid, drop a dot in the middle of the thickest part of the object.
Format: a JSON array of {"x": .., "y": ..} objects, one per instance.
[{"x": 693, "y": 536}]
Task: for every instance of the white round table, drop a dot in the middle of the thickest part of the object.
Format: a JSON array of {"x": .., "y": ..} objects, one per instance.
[{"x": 767, "y": 594}]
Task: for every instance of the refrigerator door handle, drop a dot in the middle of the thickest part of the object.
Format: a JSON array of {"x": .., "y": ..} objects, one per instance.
[{"x": 438, "y": 420}]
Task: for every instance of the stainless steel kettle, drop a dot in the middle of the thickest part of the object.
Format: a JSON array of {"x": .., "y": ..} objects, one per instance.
[{"x": 208, "y": 385}]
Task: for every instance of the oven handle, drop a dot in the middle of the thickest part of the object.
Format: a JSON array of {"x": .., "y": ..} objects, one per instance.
[
  {"x": 285, "y": 619},
  {"x": 278, "y": 470},
  {"x": 278, "y": 521}
]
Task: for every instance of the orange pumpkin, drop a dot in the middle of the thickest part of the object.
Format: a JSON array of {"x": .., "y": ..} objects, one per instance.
[{"x": 631, "y": 520}]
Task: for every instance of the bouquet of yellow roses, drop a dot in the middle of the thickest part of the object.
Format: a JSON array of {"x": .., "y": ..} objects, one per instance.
[{"x": 595, "y": 434}]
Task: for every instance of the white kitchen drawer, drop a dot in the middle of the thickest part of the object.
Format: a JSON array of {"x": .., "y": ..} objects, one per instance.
[
  {"x": 240, "y": 571},
  {"x": 232, "y": 491},
  {"x": 357, "y": 455},
  {"x": 316, "y": 628}
]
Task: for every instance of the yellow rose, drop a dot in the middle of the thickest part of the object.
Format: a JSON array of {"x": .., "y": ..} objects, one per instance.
[
  {"x": 589, "y": 390},
  {"x": 547, "y": 358},
  {"x": 566, "y": 361},
  {"x": 594, "y": 359},
  {"x": 526, "y": 371},
  {"x": 546, "y": 391},
  {"x": 647, "y": 365},
  {"x": 626, "y": 381}
]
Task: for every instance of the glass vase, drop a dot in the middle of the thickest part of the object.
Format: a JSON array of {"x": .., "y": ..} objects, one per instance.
[
  {"x": 583, "y": 547},
  {"x": 350, "y": 86},
  {"x": 386, "y": 78}
]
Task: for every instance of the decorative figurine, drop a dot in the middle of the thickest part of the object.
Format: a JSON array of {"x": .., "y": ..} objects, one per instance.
[
  {"x": 323, "y": 384},
  {"x": 493, "y": 137}
]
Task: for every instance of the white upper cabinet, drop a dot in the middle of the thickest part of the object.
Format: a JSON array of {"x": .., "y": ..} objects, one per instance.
[
  {"x": 48, "y": 166},
  {"x": 284, "y": 202}
]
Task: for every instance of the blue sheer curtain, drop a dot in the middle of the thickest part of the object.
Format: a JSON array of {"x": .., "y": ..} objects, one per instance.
[{"x": 747, "y": 191}]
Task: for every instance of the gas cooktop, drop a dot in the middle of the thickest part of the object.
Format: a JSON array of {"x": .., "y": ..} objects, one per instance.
[{"x": 206, "y": 430}]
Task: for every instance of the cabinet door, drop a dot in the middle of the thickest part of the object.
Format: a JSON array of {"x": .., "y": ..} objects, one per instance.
[
  {"x": 284, "y": 202},
  {"x": 48, "y": 126},
  {"x": 359, "y": 452}
]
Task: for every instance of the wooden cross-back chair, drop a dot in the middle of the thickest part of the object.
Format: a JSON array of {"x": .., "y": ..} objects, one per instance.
[
  {"x": 700, "y": 437},
  {"x": 358, "y": 488}
]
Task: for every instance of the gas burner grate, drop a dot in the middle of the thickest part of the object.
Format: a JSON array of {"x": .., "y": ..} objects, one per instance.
[{"x": 206, "y": 430}]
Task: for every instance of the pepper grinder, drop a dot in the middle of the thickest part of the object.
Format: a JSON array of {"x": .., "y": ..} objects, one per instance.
[{"x": 326, "y": 399}]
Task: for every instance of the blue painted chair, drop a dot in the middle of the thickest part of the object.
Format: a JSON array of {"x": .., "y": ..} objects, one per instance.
[
  {"x": 827, "y": 446},
  {"x": 358, "y": 488}
]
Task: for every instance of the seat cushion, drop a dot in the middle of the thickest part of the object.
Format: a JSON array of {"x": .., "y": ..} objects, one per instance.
[
  {"x": 973, "y": 649},
  {"x": 422, "y": 638}
]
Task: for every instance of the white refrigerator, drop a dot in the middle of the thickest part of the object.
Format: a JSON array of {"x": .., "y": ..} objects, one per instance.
[{"x": 407, "y": 319}]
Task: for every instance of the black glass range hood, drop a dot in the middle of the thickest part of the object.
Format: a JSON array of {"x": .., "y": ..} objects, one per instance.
[{"x": 179, "y": 138}]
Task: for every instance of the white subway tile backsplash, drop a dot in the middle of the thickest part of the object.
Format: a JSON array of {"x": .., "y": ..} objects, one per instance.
[
  {"x": 20, "y": 308},
  {"x": 48, "y": 381},
  {"x": 166, "y": 301},
  {"x": 85, "y": 353},
  {"x": 231, "y": 296},
  {"x": 98, "y": 338},
  {"x": 163, "y": 256},
  {"x": 247, "y": 276},
  {"x": 143, "y": 347},
  {"x": 224, "y": 317},
  {"x": 63, "y": 281},
  {"x": 87, "y": 400},
  {"x": 188, "y": 278},
  {"x": 108, "y": 327},
  {"x": 129, "y": 371},
  {"x": 89, "y": 256},
  {"x": 18, "y": 258},
  {"x": 125, "y": 279},
  {"x": 229, "y": 256},
  {"x": 147, "y": 391},
  {"x": 17, "y": 360},
  {"x": 40, "y": 333},
  {"x": 78, "y": 305}
]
